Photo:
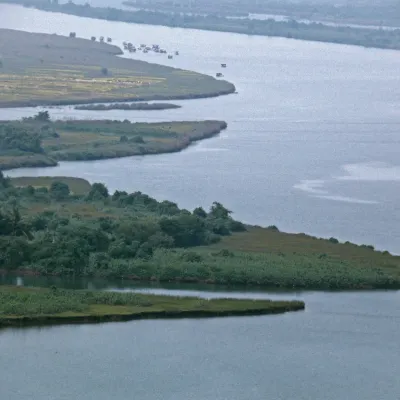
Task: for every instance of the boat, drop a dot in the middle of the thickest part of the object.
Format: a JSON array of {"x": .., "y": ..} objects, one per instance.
[
  {"x": 219, "y": 75},
  {"x": 223, "y": 65},
  {"x": 170, "y": 57}
]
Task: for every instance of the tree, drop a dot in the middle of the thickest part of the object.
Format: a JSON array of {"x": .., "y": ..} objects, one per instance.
[
  {"x": 59, "y": 190},
  {"x": 186, "y": 230},
  {"x": 199, "y": 212},
  {"x": 42, "y": 116},
  {"x": 104, "y": 71},
  {"x": 98, "y": 191},
  {"x": 72, "y": 35},
  {"x": 219, "y": 211}
]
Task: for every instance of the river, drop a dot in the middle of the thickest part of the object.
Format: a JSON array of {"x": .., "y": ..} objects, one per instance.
[
  {"x": 312, "y": 145},
  {"x": 345, "y": 346},
  {"x": 313, "y": 137}
]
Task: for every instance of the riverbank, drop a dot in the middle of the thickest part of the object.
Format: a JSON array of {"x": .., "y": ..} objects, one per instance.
[
  {"x": 359, "y": 13},
  {"x": 38, "y": 141},
  {"x": 135, "y": 237},
  {"x": 41, "y": 69},
  {"x": 384, "y": 39},
  {"x": 128, "y": 107},
  {"x": 37, "y": 307}
]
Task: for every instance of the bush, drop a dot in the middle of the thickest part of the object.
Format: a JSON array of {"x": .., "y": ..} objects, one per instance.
[
  {"x": 59, "y": 190},
  {"x": 98, "y": 191}
]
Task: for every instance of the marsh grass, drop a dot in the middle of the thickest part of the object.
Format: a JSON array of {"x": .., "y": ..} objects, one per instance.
[{"x": 28, "y": 304}]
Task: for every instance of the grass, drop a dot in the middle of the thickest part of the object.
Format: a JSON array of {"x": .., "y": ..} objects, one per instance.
[
  {"x": 78, "y": 140},
  {"x": 77, "y": 186},
  {"x": 41, "y": 69},
  {"x": 300, "y": 260},
  {"x": 33, "y": 306}
]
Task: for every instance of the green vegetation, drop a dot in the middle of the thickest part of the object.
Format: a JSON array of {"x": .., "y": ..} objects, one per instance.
[
  {"x": 127, "y": 106},
  {"x": 290, "y": 29},
  {"x": 54, "y": 231},
  {"x": 344, "y": 12},
  {"x": 77, "y": 186},
  {"x": 39, "y": 69},
  {"x": 22, "y": 306},
  {"x": 37, "y": 141}
]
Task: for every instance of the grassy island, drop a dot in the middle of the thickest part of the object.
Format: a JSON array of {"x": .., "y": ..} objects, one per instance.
[
  {"x": 37, "y": 141},
  {"x": 62, "y": 227},
  {"x": 40, "y": 69},
  {"x": 33, "y": 306},
  {"x": 292, "y": 29},
  {"x": 128, "y": 107}
]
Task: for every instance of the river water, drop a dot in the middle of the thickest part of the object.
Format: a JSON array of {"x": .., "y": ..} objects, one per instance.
[
  {"x": 345, "y": 346},
  {"x": 313, "y": 137},
  {"x": 312, "y": 145}
]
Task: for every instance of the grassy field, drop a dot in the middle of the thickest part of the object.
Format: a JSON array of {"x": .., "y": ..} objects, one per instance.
[
  {"x": 300, "y": 260},
  {"x": 77, "y": 186},
  {"x": 33, "y": 306},
  {"x": 41, "y": 69},
  {"x": 44, "y": 143}
]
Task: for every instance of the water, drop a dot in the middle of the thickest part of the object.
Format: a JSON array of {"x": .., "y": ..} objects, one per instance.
[
  {"x": 344, "y": 346},
  {"x": 312, "y": 145},
  {"x": 312, "y": 142}
]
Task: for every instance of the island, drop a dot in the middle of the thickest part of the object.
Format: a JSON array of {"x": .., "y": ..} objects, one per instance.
[
  {"x": 38, "y": 141},
  {"x": 68, "y": 227},
  {"x": 128, "y": 107},
  {"x": 292, "y": 29},
  {"x": 40, "y": 69},
  {"x": 22, "y": 307}
]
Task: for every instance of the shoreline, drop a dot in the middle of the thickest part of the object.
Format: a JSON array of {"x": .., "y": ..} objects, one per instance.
[
  {"x": 361, "y": 37},
  {"x": 50, "y": 61},
  {"x": 179, "y": 145},
  {"x": 70, "y": 102},
  {"x": 23, "y": 322},
  {"x": 208, "y": 282},
  {"x": 51, "y": 306}
]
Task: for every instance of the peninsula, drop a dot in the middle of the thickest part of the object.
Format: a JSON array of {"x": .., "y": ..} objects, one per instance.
[
  {"x": 41, "y": 69},
  {"x": 67, "y": 227},
  {"x": 36, "y": 307},
  {"x": 38, "y": 141}
]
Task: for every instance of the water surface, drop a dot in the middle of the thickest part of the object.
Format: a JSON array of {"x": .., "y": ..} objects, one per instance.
[
  {"x": 313, "y": 137},
  {"x": 344, "y": 346}
]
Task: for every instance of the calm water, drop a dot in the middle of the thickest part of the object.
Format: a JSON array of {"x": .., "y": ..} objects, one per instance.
[
  {"x": 344, "y": 346},
  {"x": 312, "y": 146},
  {"x": 313, "y": 138}
]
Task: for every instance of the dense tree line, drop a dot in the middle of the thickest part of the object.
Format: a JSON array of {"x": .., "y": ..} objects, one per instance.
[{"x": 65, "y": 238}]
